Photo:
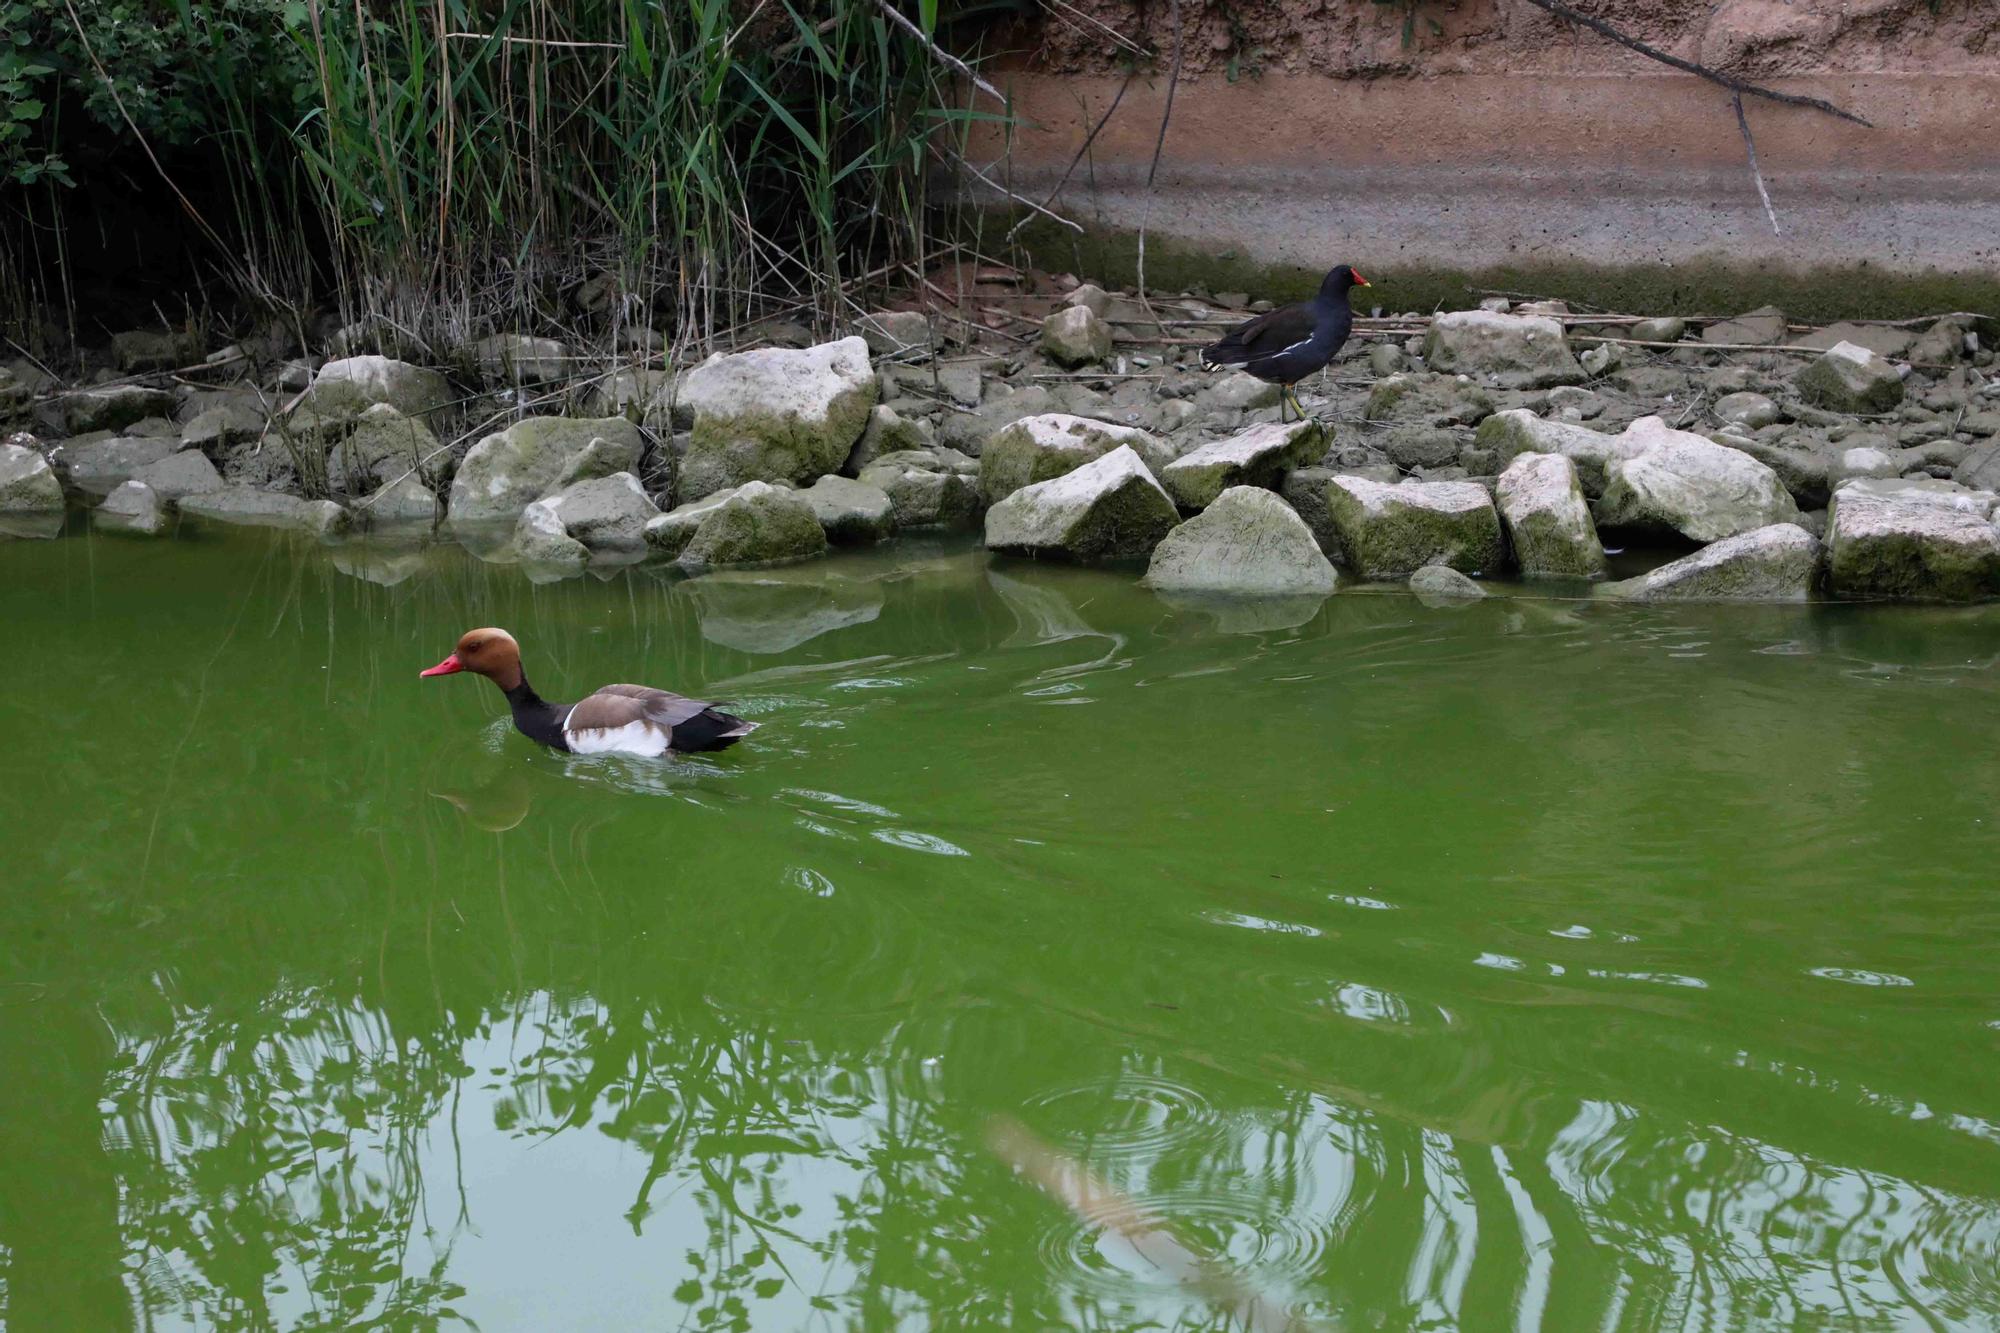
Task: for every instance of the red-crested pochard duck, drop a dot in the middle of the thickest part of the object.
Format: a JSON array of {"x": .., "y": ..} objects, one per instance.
[{"x": 618, "y": 719}]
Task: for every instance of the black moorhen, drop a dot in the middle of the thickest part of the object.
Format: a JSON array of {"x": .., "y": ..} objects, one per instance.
[{"x": 1290, "y": 343}]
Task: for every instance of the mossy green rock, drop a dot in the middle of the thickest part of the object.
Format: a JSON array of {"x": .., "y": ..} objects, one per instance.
[
  {"x": 509, "y": 470},
  {"x": 28, "y": 484},
  {"x": 1912, "y": 541},
  {"x": 760, "y": 524},
  {"x": 1260, "y": 456},
  {"x": 1391, "y": 531},
  {"x": 775, "y": 414},
  {"x": 1429, "y": 400},
  {"x": 1850, "y": 378},
  {"x": 1041, "y": 448}
]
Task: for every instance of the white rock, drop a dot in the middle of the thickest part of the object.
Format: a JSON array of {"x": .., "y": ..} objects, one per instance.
[
  {"x": 1690, "y": 484},
  {"x": 1521, "y": 351},
  {"x": 1074, "y": 336},
  {"x": 1912, "y": 540},
  {"x": 1520, "y": 431},
  {"x": 1246, "y": 541},
  {"x": 1259, "y": 456},
  {"x": 345, "y": 388},
  {"x": 1850, "y": 378},
  {"x": 28, "y": 484},
  {"x": 1043, "y": 447},
  {"x": 1107, "y": 509},
  {"x": 605, "y": 513},
  {"x": 133, "y": 507},
  {"x": 182, "y": 474},
  {"x": 1779, "y": 563},
  {"x": 775, "y": 414},
  {"x": 508, "y": 470},
  {"x": 1391, "y": 531},
  {"x": 1547, "y": 519}
]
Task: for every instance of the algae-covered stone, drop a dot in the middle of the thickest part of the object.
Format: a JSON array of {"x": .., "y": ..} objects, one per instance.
[
  {"x": 1520, "y": 351},
  {"x": 344, "y": 389},
  {"x": 508, "y": 470},
  {"x": 180, "y": 475},
  {"x": 111, "y": 407},
  {"x": 1430, "y": 400},
  {"x": 1259, "y": 456},
  {"x": 1391, "y": 531},
  {"x": 888, "y": 431},
  {"x": 1075, "y": 336},
  {"x": 28, "y": 484},
  {"x": 605, "y": 513},
  {"x": 541, "y": 540},
  {"x": 1746, "y": 409},
  {"x": 520, "y": 358},
  {"x": 1688, "y": 484},
  {"x": 1779, "y": 563},
  {"x": 669, "y": 533},
  {"x": 1519, "y": 431},
  {"x": 1547, "y": 519},
  {"x": 775, "y": 414},
  {"x": 405, "y": 502},
  {"x": 1305, "y": 491},
  {"x": 101, "y": 465},
  {"x": 1437, "y": 585},
  {"x": 266, "y": 509},
  {"x": 133, "y": 507},
  {"x": 925, "y": 491},
  {"x": 1040, "y": 448},
  {"x": 1246, "y": 541},
  {"x": 852, "y": 512},
  {"x": 759, "y": 524},
  {"x": 1847, "y": 378},
  {"x": 1920, "y": 541},
  {"x": 1110, "y": 508}
]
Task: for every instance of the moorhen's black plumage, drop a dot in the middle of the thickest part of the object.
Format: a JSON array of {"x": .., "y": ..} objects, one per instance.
[
  {"x": 618, "y": 719},
  {"x": 1290, "y": 343}
]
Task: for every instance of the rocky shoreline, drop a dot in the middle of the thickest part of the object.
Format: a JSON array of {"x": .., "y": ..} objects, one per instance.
[{"x": 1518, "y": 442}]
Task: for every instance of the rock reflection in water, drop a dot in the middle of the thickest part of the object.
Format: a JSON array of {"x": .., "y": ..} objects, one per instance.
[
  {"x": 1246, "y": 615},
  {"x": 775, "y": 610}
]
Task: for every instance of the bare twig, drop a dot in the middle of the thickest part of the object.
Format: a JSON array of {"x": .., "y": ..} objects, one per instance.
[
  {"x": 531, "y": 41},
  {"x": 1159, "y": 146},
  {"x": 1735, "y": 85},
  {"x": 1088, "y": 140},
  {"x": 1017, "y": 198},
  {"x": 943, "y": 55},
  {"x": 1750, "y": 145}
]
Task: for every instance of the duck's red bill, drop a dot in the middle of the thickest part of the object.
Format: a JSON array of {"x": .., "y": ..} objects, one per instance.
[
  {"x": 445, "y": 668},
  {"x": 1360, "y": 281}
]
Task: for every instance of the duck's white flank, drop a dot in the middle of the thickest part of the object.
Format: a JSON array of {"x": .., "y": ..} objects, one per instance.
[{"x": 642, "y": 738}]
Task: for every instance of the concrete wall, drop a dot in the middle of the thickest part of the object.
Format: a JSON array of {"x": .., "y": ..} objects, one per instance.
[{"x": 1541, "y": 154}]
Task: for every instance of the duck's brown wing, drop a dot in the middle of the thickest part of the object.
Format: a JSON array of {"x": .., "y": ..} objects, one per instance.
[
  {"x": 1258, "y": 338},
  {"x": 683, "y": 723}
]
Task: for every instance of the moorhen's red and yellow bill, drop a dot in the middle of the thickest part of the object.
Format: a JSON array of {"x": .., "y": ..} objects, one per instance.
[
  {"x": 618, "y": 719},
  {"x": 1290, "y": 343}
]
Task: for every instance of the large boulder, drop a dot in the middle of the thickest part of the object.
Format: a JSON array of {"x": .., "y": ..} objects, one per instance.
[
  {"x": 344, "y": 389},
  {"x": 1443, "y": 586},
  {"x": 1849, "y": 378},
  {"x": 1075, "y": 336},
  {"x": 111, "y": 407},
  {"x": 179, "y": 475},
  {"x": 1428, "y": 400},
  {"x": 1108, "y": 509},
  {"x": 405, "y": 502},
  {"x": 1259, "y": 456},
  {"x": 1040, "y": 448},
  {"x": 236, "y": 421},
  {"x": 382, "y": 446},
  {"x": 1547, "y": 518},
  {"x": 133, "y": 507},
  {"x": 1518, "y": 431},
  {"x": 1245, "y": 541},
  {"x": 775, "y": 414},
  {"x": 541, "y": 541},
  {"x": 520, "y": 358},
  {"x": 669, "y": 533},
  {"x": 266, "y": 509},
  {"x": 101, "y": 465},
  {"x": 1685, "y": 483},
  {"x": 1519, "y": 351},
  {"x": 852, "y": 512},
  {"x": 759, "y": 524},
  {"x": 508, "y": 470},
  {"x": 1779, "y": 563},
  {"x": 605, "y": 513},
  {"x": 1305, "y": 491},
  {"x": 1391, "y": 531},
  {"x": 888, "y": 431},
  {"x": 28, "y": 484},
  {"x": 1921, "y": 541},
  {"x": 926, "y": 490}
]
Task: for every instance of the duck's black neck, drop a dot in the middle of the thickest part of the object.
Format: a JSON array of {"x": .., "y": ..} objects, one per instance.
[{"x": 534, "y": 716}]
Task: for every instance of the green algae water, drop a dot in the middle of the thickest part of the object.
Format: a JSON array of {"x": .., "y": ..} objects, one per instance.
[{"x": 1536, "y": 965}]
